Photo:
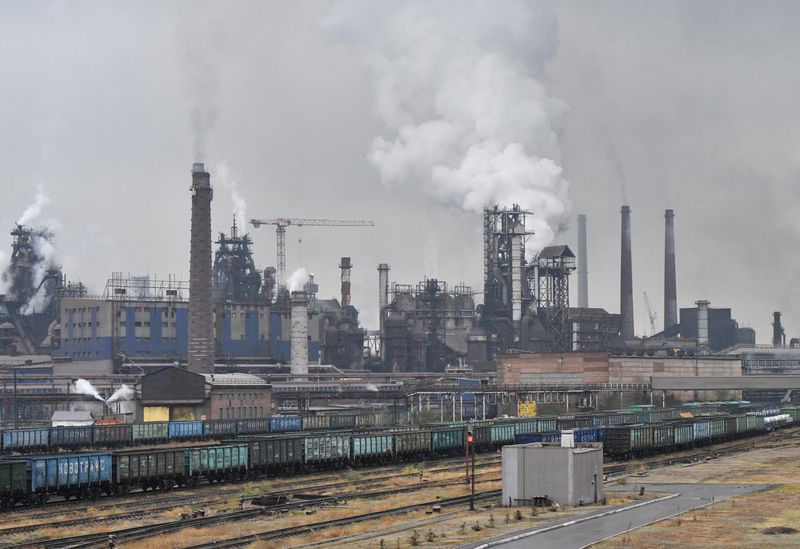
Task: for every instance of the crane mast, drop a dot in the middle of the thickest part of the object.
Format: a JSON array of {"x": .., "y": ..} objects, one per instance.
[{"x": 280, "y": 233}]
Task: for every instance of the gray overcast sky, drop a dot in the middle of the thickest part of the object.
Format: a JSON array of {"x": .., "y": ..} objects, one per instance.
[{"x": 693, "y": 104}]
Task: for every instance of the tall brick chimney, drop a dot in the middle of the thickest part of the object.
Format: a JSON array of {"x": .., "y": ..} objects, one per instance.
[
  {"x": 670, "y": 286},
  {"x": 201, "y": 338},
  {"x": 626, "y": 277}
]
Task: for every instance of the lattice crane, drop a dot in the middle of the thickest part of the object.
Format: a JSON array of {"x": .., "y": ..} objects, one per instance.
[{"x": 280, "y": 232}]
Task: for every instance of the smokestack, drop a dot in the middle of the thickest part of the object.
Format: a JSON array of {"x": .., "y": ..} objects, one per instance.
[
  {"x": 383, "y": 300},
  {"x": 299, "y": 333},
  {"x": 345, "y": 266},
  {"x": 670, "y": 287},
  {"x": 201, "y": 344},
  {"x": 778, "y": 335},
  {"x": 626, "y": 277},
  {"x": 583, "y": 268},
  {"x": 702, "y": 324}
]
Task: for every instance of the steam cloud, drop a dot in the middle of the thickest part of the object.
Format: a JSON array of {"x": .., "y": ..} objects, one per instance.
[
  {"x": 297, "y": 280},
  {"x": 239, "y": 203},
  {"x": 125, "y": 392},
  {"x": 45, "y": 260},
  {"x": 84, "y": 387},
  {"x": 32, "y": 212},
  {"x": 458, "y": 87}
]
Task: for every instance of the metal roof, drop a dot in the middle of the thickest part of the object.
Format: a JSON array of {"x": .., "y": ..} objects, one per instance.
[
  {"x": 63, "y": 415},
  {"x": 234, "y": 379},
  {"x": 556, "y": 251}
]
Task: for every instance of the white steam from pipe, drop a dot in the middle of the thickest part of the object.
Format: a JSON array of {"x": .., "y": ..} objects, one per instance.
[
  {"x": 459, "y": 88},
  {"x": 84, "y": 387},
  {"x": 297, "y": 280},
  {"x": 125, "y": 392}
]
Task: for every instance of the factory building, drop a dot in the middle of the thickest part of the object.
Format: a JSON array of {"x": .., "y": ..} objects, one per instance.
[
  {"x": 154, "y": 325},
  {"x": 176, "y": 394}
]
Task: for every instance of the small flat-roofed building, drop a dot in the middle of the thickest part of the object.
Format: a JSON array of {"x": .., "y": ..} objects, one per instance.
[{"x": 72, "y": 419}]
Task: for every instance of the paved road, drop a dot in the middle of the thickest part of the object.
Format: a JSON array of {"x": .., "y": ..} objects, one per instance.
[{"x": 690, "y": 496}]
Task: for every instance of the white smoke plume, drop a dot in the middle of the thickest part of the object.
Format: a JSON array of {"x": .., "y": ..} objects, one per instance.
[
  {"x": 125, "y": 392},
  {"x": 239, "y": 203},
  {"x": 297, "y": 280},
  {"x": 41, "y": 200},
  {"x": 84, "y": 387},
  {"x": 45, "y": 254},
  {"x": 459, "y": 88}
]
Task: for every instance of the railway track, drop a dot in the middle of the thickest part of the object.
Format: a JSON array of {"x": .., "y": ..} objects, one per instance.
[
  {"x": 56, "y": 508},
  {"x": 613, "y": 468},
  {"x": 311, "y": 485},
  {"x": 147, "y": 531}
]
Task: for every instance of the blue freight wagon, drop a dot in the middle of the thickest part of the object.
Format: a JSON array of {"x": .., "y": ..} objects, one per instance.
[
  {"x": 184, "y": 430},
  {"x": 71, "y": 475},
  {"x": 285, "y": 424},
  {"x": 25, "y": 439}
]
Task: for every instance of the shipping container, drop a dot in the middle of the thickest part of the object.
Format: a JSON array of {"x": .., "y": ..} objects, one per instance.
[
  {"x": 252, "y": 426},
  {"x": 285, "y": 424},
  {"x": 13, "y": 482},
  {"x": 219, "y": 428},
  {"x": 150, "y": 432},
  {"x": 371, "y": 447},
  {"x": 411, "y": 443},
  {"x": 316, "y": 423},
  {"x": 447, "y": 441},
  {"x": 326, "y": 448},
  {"x": 71, "y": 474},
  {"x": 280, "y": 453},
  {"x": 152, "y": 468},
  {"x": 112, "y": 435},
  {"x": 71, "y": 437},
  {"x": 17, "y": 440}
]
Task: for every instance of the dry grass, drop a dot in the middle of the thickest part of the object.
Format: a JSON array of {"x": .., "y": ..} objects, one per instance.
[{"x": 737, "y": 522}]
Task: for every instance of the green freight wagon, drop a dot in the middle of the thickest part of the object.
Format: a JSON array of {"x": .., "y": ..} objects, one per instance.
[
  {"x": 663, "y": 435},
  {"x": 716, "y": 428},
  {"x": 684, "y": 434},
  {"x": 482, "y": 436},
  {"x": 276, "y": 454},
  {"x": 546, "y": 424},
  {"x": 316, "y": 423},
  {"x": 526, "y": 427},
  {"x": 628, "y": 440},
  {"x": 13, "y": 482},
  {"x": 447, "y": 441},
  {"x": 503, "y": 433},
  {"x": 150, "y": 432},
  {"x": 330, "y": 449},
  {"x": 374, "y": 447},
  {"x": 153, "y": 468},
  {"x": 412, "y": 443},
  {"x": 217, "y": 463}
]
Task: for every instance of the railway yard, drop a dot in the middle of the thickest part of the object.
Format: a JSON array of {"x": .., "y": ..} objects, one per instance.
[{"x": 403, "y": 505}]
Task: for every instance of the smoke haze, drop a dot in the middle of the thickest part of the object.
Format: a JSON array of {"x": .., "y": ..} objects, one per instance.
[
  {"x": 699, "y": 99},
  {"x": 458, "y": 87},
  {"x": 32, "y": 212},
  {"x": 297, "y": 280}
]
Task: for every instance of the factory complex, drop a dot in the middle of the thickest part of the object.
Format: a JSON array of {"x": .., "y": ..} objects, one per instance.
[{"x": 446, "y": 349}]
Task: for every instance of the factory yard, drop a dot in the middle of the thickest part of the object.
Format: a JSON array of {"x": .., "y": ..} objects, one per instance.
[{"x": 752, "y": 520}]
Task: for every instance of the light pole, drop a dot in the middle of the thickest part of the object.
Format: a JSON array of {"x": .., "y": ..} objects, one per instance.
[{"x": 471, "y": 449}]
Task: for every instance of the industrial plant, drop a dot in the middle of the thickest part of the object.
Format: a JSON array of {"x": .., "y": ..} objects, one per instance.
[{"x": 438, "y": 343}]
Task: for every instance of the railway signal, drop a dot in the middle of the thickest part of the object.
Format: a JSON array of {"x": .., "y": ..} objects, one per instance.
[{"x": 471, "y": 450}]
